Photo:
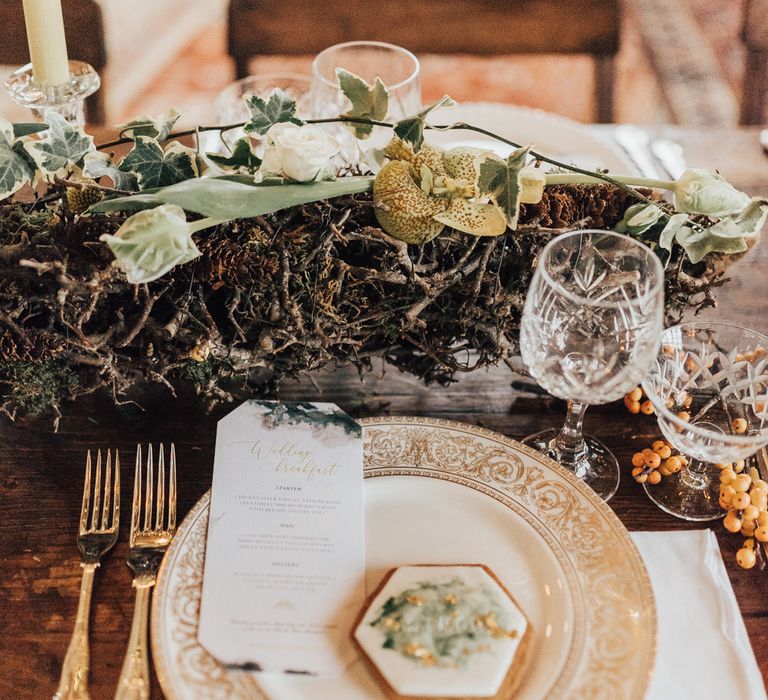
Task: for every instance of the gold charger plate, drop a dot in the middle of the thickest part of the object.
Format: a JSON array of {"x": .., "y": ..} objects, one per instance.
[{"x": 438, "y": 491}]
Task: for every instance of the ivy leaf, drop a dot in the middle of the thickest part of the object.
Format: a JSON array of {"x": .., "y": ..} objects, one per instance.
[
  {"x": 411, "y": 129},
  {"x": 368, "y": 101},
  {"x": 154, "y": 167},
  {"x": 671, "y": 229},
  {"x": 242, "y": 156},
  {"x": 155, "y": 127},
  {"x": 640, "y": 218},
  {"x": 277, "y": 108},
  {"x": 16, "y": 170},
  {"x": 500, "y": 180},
  {"x": 226, "y": 199},
  {"x": 726, "y": 236},
  {"x": 97, "y": 164},
  {"x": 61, "y": 149},
  {"x": 28, "y": 128}
]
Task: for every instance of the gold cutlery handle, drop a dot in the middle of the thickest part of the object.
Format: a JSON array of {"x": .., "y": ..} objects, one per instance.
[
  {"x": 73, "y": 684},
  {"x": 134, "y": 678}
]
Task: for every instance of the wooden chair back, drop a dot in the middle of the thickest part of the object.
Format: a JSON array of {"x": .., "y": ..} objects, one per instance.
[
  {"x": 755, "y": 87},
  {"x": 475, "y": 27},
  {"x": 84, "y": 29}
]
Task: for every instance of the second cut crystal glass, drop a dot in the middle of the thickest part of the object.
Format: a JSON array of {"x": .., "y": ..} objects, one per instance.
[
  {"x": 709, "y": 386},
  {"x": 590, "y": 331}
]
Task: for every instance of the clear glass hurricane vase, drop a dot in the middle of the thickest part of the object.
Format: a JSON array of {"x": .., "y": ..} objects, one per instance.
[
  {"x": 590, "y": 330},
  {"x": 397, "y": 68}
]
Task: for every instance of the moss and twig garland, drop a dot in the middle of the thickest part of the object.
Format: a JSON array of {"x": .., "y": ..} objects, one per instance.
[{"x": 283, "y": 278}]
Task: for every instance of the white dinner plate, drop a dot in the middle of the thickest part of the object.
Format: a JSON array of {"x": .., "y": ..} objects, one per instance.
[
  {"x": 551, "y": 134},
  {"x": 443, "y": 492}
]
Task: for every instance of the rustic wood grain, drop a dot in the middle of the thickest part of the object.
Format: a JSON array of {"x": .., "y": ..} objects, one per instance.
[{"x": 41, "y": 472}]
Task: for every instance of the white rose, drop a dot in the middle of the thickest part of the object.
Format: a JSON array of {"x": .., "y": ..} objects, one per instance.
[{"x": 301, "y": 153}]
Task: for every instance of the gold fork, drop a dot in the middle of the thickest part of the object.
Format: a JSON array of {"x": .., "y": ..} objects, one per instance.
[
  {"x": 150, "y": 537},
  {"x": 97, "y": 535}
]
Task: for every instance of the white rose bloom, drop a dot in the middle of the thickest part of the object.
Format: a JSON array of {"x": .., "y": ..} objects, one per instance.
[{"x": 301, "y": 153}]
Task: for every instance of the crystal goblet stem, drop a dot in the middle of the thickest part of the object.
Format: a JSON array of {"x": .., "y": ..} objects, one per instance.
[
  {"x": 569, "y": 442},
  {"x": 584, "y": 455}
]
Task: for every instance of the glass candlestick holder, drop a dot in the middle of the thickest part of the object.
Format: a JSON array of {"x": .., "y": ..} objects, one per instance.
[{"x": 67, "y": 99}]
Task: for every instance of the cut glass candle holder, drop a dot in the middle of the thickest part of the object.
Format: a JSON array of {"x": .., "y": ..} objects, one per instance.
[{"x": 67, "y": 99}]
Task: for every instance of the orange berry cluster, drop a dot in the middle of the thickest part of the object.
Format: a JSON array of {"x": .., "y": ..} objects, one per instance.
[
  {"x": 636, "y": 402},
  {"x": 655, "y": 462},
  {"x": 745, "y": 496}
]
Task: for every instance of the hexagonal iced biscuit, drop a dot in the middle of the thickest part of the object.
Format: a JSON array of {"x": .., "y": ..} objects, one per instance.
[{"x": 444, "y": 632}]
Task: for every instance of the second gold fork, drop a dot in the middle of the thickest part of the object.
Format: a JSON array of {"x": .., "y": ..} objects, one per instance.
[{"x": 152, "y": 529}]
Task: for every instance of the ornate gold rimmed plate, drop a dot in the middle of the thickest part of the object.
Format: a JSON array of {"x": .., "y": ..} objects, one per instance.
[{"x": 443, "y": 492}]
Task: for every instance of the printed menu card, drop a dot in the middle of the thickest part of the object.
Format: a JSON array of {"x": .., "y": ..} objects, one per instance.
[{"x": 284, "y": 564}]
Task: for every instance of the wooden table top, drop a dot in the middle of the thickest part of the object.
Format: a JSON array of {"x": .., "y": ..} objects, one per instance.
[{"x": 41, "y": 472}]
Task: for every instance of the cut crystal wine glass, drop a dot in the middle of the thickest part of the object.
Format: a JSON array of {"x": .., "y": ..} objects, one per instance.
[
  {"x": 709, "y": 387},
  {"x": 589, "y": 333}
]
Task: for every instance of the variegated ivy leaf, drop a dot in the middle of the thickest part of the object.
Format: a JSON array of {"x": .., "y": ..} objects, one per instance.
[
  {"x": 241, "y": 158},
  {"x": 368, "y": 101},
  {"x": 412, "y": 128},
  {"x": 61, "y": 148},
  {"x": 98, "y": 164},
  {"x": 639, "y": 218},
  {"x": 28, "y": 128},
  {"x": 729, "y": 235},
  {"x": 277, "y": 108},
  {"x": 670, "y": 231},
  {"x": 16, "y": 168},
  {"x": 154, "y": 167},
  {"x": 500, "y": 180},
  {"x": 154, "y": 127}
]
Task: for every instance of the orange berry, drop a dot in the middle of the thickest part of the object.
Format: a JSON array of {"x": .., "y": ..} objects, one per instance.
[
  {"x": 740, "y": 500},
  {"x": 653, "y": 460},
  {"x": 654, "y": 477},
  {"x": 634, "y": 407},
  {"x": 636, "y": 394},
  {"x": 750, "y": 512},
  {"x": 646, "y": 408},
  {"x": 732, "y": 522},
  {"x": 673, "y": 463},
  {"x": 638, "y": 459},
  {"x": 746, "y": 558},
  {"x": 739, "y": 426}
]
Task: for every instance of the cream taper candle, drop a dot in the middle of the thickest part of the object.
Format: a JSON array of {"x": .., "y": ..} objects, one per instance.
[{"x": 47, "y": 43}]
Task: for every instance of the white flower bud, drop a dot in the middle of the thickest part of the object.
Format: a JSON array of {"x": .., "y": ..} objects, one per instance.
[{"x": 152, "y": 242}]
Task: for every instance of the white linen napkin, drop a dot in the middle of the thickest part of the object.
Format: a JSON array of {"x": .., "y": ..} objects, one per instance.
[{"x": 703, "y": 648}]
